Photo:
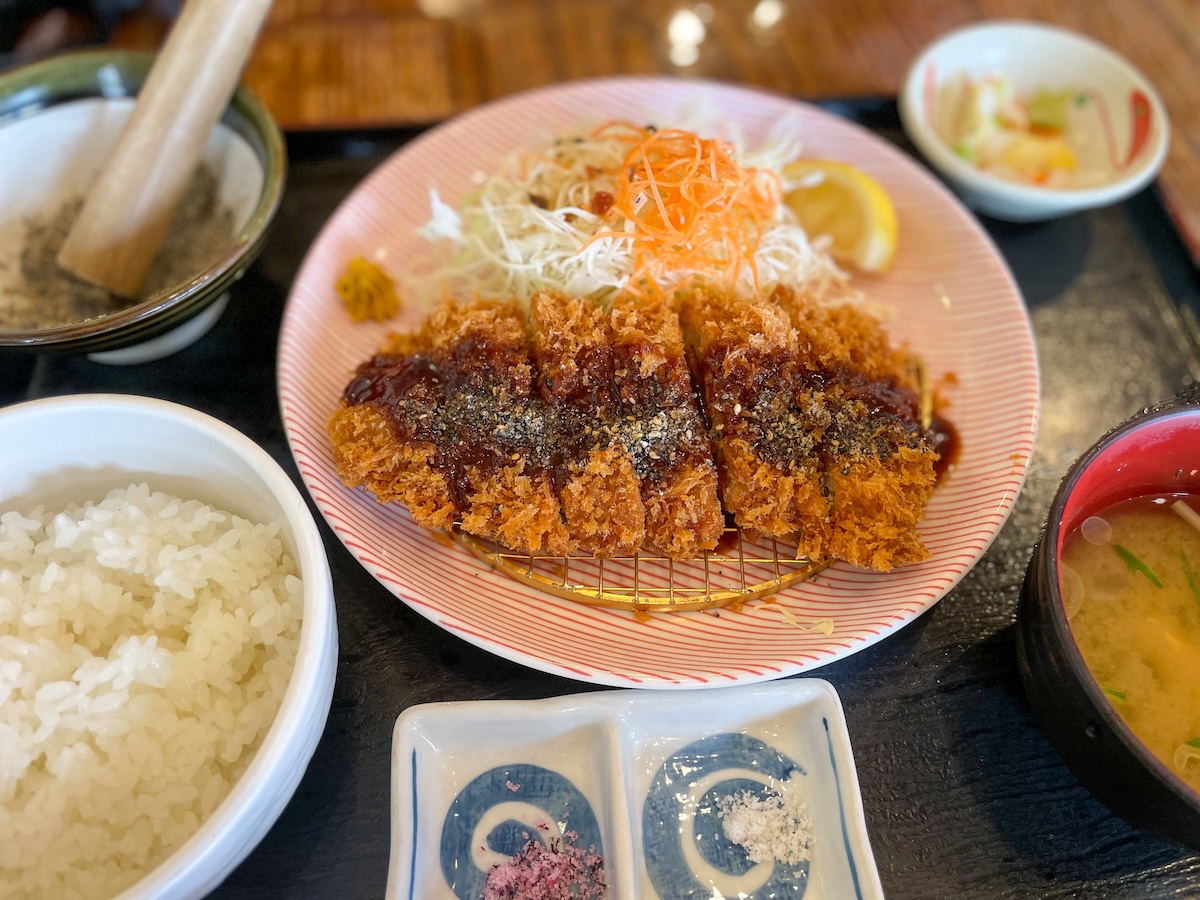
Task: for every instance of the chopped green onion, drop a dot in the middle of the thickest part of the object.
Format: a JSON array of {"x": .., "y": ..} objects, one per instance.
[
  {"x": 1135, "y": 565},
  {"x": 1113, "y": 692},
  {"x": 1190, "y": 575},
  {"x": 1194, "y": 742}
]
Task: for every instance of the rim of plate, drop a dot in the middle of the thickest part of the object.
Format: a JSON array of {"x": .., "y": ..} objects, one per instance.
[{"x": 956, "y": 304}]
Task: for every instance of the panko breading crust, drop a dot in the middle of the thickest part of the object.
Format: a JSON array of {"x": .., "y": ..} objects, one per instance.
[{"x": 605, "y": 430}]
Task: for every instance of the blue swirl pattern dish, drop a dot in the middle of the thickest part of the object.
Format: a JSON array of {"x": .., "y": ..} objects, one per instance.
[{"x": 637, "y": 775}]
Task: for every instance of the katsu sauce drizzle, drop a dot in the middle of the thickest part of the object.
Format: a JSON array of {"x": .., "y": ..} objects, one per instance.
[
  {"x": 480, "y": 419},
  {"x": 483, "y": 409}
]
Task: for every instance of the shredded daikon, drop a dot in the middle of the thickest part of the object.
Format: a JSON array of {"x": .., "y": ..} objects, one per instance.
[{"x": 628, "y": 209}]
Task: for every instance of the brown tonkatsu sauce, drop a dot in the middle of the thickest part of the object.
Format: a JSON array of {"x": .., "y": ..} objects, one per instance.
[
  {"x": 483, "y": 407},
  {"x": 388, "y": 381},
  {"x": 472, "y": 403},
  {"x": 871, "y": 417},
  {"x": 668, "y": 385},
  {"x": 661, "y": 423},
  {"x": 480, "y": 418},
  {"x": 795, "y": 417},
  {"x": 885, "y": 416},
  {"x": 948, "y": 444},
  {"x": 754, "y": 396},
  {"x": 590, "y": 384}
]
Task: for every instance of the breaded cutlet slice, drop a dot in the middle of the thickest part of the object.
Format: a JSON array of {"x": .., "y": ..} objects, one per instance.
[
  {"x": 462, "y": 422},
  {"x": 743, "y": 353},
  {"x": 879, "y": 458},
  {"x": 665, "y": 430},
  {"x": 368, "y": 453},
  {"x": 597, "y": 485}
]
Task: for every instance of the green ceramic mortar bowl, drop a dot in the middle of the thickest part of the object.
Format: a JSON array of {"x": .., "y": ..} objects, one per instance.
[{"x": 46, "y": 96}]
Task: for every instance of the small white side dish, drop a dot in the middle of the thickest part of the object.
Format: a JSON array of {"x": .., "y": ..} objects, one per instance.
[
  {"x": 470, "y": 780},
  {"x": 73, "y": 448},
  {"x": 1126, "y": 129}
]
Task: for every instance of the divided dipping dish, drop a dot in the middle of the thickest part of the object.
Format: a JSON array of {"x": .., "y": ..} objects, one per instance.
[{"x": 1155, "y": 454}]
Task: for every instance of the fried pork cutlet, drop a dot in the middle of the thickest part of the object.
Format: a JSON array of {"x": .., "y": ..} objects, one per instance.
[
  {"x": 585, "y": 432},
  {"x": 818, "y": 422},
  {"x": 447, "y": 422},
  {"x": 665, "y": 431},
  {"x": 879, "y": 458},
  {"x": 581, "y": 436},
  {"x": 744, "y": 356},
  {"x": 597, "y": 485},
  {"x": 637, "y": 467}
]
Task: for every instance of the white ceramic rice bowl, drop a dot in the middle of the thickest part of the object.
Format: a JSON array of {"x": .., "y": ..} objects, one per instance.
[
  {"x": 65, "y": 448},
  {"x": 1033, "y": 56}
]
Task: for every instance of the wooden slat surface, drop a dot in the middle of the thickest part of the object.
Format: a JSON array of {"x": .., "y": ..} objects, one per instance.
[{"x": 345, "y": 63}]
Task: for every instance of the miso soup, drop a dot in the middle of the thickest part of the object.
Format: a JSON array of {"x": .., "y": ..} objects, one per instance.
[{"x": 1130, "y": 581}]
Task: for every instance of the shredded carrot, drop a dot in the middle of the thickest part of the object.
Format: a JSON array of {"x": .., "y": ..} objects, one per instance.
[{"x": 691, "y": 204}]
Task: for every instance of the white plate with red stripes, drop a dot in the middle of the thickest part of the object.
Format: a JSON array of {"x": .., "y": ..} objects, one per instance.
[{"x": 957, "y": 306}]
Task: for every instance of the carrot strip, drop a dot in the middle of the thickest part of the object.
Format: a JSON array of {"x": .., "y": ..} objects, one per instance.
[{"x": 690, "y": 204}]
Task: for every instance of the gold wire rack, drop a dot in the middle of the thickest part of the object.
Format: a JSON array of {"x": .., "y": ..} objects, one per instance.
[{"x": 737, "y": 571}]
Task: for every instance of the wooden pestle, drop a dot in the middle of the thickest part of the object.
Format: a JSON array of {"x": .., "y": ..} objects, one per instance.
[{"x": 127, "y": 212}]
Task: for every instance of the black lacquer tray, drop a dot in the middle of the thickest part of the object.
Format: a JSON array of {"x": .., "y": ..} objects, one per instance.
[{"x": 964, "y": 795}]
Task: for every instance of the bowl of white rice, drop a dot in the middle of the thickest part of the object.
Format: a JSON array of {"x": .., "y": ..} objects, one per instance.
[{"x": 168, "y": 645}]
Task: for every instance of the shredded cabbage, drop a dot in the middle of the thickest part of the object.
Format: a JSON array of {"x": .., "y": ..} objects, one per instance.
[{"x": 534, "y": 226}]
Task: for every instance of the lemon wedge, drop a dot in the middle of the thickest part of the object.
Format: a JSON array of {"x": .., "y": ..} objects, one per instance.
[{"x": 848, "y": 205}]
